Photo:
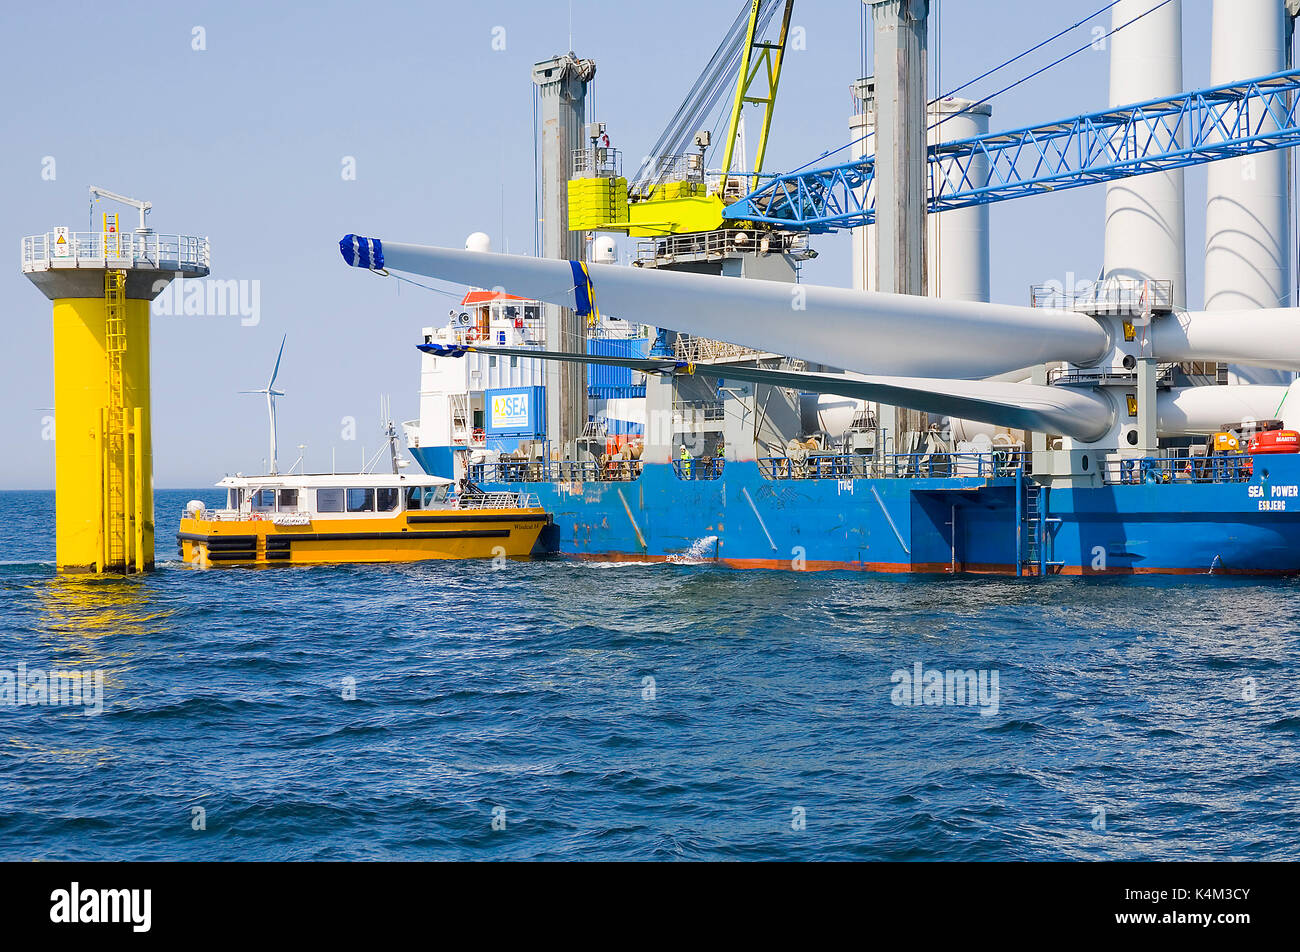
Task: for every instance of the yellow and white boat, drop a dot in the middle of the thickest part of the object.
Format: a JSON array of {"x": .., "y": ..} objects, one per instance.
[{"x": 357, "y": 517}]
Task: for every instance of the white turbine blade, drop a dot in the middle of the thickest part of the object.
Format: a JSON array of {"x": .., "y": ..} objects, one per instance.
[
  {"x": 1084, "y": 414},
  {"x": 1266, "y": 337},
  {"x": 276, "y": 372},
  {"x": 1205, "y": 410},
  {"x": 893, "y": 334}
]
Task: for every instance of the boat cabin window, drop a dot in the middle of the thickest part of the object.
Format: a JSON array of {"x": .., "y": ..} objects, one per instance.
[
  {"x": 361, "y": 500},
  {"x": 288, "y": 500},
  {"x": 425, "y": 497},
  {"x": 234, "y": 497},
  {"x": 264, "y": 499},
  {"x": 386, "y": 498},
  {"x": 329, "y": 500}
]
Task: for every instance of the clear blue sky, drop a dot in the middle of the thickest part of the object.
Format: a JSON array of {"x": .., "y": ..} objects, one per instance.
[{"x": 244, "y": 142}]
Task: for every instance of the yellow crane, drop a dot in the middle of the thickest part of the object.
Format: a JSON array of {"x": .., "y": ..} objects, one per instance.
[{"x": 673, "y": 193}]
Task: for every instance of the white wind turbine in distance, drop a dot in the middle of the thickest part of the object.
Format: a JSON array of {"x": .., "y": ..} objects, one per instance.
[{"x": 271, "y": 394}]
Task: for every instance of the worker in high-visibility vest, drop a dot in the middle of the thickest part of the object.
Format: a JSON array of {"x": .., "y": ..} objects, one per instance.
[{"x": 686, "y": 462}]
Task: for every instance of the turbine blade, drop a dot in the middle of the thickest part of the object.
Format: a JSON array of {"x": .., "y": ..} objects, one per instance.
[
  {"x": 1084, "y": 414},
  {"x": 1264, "y": 337},
  {"x": 865, "y": 331},
  {"x": 276, "y": 372}
]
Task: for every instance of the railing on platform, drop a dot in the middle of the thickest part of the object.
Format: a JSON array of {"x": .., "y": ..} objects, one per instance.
[
  {"x": 700, "y": 349},
  {"x": 716, "y": 245},
  {"x": 174, "y": 252},
  {"x": 1195, "y": 469},
  {"x": 596, "y": 162},
  {"x": 1109, "y": 296},
  {"x": 697, "y": 411},
  {"x": 894, "y": 465}
]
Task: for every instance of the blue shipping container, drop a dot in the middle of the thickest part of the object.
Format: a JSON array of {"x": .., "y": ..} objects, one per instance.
[{"x": 516, "y": 411}]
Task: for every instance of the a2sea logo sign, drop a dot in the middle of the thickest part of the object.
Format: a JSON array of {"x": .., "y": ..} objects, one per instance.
[
  {"x": 78, "y": 905},
  {"x": 510, "y": 410}
]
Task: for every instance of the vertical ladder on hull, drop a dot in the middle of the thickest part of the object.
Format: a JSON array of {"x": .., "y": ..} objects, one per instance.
[
  {"x": 1034, "y": 529},
  {"x": 1033, "y": 526}
]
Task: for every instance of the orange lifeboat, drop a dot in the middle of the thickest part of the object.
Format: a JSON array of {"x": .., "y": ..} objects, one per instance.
[{"x": 1275, "y": 441}]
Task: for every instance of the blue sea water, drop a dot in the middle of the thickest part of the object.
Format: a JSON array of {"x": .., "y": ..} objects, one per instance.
[{"x": 639, "y": 711}]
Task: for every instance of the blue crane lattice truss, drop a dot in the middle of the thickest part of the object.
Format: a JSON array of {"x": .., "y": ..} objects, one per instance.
[{"x": 1190, "y": 129}]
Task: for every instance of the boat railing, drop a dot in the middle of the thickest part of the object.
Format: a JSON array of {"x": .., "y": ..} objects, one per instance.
[
  {"x": 1182, "y": 469},
  {"x": 709, "y": 467},
  {"x": 498, "y": 500},
  {"x": 216, "y": 515},
  {"x": 894, "y": 465},
  {"x": 256, "y": 515},
  {"x": 555, "y": 471}
]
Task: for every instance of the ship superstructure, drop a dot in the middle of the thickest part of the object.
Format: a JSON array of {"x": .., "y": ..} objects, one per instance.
[
  {"x": 489, "y": 405},
  {"x": 909, "y": 424}
]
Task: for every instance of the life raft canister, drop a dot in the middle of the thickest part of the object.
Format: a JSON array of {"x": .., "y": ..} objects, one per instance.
[{"x": 1275, "y": 441}]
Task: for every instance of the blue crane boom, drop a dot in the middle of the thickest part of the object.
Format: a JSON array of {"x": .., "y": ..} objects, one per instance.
[{"x": 1234, "y": 119}]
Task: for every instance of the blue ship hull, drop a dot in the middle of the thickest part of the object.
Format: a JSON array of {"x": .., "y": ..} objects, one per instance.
[{"x": 930, "y": 524}]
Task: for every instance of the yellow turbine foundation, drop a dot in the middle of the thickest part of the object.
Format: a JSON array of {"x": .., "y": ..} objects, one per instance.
[
  {"x": 103, "y": 451},
  {"x": 101, "y": 285}
]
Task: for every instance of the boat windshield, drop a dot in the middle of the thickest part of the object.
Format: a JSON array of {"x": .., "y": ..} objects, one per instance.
[{"x": 425, "y": 497}]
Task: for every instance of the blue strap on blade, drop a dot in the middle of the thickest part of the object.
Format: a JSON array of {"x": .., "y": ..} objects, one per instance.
[
  {"x": 443, "y": 349},
  {"x": 362, "y": 252},
  {"x": 584, "y": 292}
]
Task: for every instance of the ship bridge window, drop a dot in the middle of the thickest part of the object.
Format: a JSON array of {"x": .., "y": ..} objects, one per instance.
[
  {"x": 361, "y": 500},
  {"x": 264, "y": 499},
  {"x": 329, "y": 500},
  {"x": 288, "y": 500},
  {"x": 233, "y": 498},
  {"x": 387, "y": 499}
]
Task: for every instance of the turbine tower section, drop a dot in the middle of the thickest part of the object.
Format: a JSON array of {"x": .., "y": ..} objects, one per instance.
[
  {"x": 1145, "y": 214},
  {"x": 1247, "y": 246},
  {"x": 101, "y": 284}
]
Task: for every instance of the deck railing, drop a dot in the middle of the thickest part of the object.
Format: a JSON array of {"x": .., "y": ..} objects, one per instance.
[
  {"x": 555, "y": 471},
  {"x": 1196, "y": 469},
  {"x": 894, "y": 465},
  {"x": 709, "y": 467}
]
